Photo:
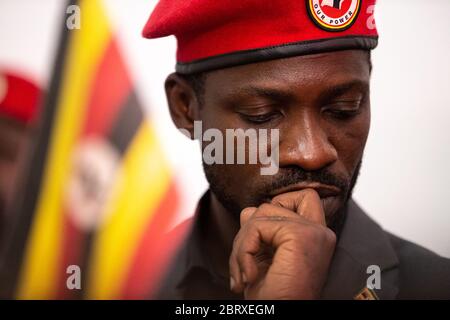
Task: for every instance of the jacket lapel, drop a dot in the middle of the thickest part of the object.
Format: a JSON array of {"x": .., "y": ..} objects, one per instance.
[{"x": 362, "y": 243}]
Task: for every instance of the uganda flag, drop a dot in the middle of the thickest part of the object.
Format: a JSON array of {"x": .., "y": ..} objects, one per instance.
[{"x": 98, "y": 196}]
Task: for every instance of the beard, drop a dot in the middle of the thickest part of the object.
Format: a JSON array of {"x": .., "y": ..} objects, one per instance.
[{"x": 230, "y": 195}]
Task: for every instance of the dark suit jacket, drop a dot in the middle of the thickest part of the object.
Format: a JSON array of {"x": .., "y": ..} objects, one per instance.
[{"x": 408, "y": 271}]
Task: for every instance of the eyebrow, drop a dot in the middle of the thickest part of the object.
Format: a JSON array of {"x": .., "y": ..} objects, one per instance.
[
  {"x": 268, "y": 93},
  {"x": 282, "y": 95},
  {"x": 340, "y": 89}
]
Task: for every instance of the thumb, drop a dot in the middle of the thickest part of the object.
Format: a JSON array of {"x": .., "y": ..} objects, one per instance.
[{"x": 305, "y": 202}]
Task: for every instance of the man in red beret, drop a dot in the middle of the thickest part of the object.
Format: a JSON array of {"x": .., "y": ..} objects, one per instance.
[
  {"x": 19, "y": 99},
  {"x": 302, "y": 68}
]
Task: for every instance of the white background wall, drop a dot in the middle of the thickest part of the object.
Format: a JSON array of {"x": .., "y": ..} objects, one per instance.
[{"x": 404, "y": 182}]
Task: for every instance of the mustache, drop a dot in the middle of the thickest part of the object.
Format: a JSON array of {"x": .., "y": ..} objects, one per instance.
[{"x": 292, "y": 175}]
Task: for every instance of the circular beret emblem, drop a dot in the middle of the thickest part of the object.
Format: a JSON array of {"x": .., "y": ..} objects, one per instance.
[{"x": 333, "y": 15}]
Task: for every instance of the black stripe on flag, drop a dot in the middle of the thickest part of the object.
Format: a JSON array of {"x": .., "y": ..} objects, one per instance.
[{"x": 15, "y": 238}]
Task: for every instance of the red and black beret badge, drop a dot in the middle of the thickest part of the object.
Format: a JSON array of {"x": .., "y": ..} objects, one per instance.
[{"x": 333, "y": 15}]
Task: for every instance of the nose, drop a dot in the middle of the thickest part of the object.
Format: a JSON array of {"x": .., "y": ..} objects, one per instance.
[{"x": 306, "y": 144}]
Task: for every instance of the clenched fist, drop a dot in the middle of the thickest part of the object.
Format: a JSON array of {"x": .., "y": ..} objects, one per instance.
[{"x": 283, "y": 249}]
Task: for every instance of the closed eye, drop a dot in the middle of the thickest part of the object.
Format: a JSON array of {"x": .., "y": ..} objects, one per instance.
[
  {"x": 343, "y": 110},
  {"x": 260, "y": 118}
]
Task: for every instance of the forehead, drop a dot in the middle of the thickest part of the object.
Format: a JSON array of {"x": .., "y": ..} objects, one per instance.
[{"x": 315, "y": 70}]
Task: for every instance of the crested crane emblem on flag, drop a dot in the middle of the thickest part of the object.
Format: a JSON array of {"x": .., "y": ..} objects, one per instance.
[
  {"x": 90, "y": 186},
  {"x": 333, "y": 15}
]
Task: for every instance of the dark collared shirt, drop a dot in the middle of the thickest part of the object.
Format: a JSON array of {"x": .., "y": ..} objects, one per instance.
[{"x": 407, "y": 270}]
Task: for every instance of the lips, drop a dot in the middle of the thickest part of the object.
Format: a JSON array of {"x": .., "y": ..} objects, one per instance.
[{"x": 324, "y": 191}]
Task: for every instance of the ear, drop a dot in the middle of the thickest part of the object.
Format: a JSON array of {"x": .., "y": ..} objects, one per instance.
[{"x": 182, "y": 101}]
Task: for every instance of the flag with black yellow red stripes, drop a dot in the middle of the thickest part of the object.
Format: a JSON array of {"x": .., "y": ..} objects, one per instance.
[{"x": 99, "y": 194}]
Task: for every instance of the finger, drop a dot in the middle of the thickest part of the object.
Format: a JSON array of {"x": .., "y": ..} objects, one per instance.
[
  {"x": 236, "y": 283},
  {"x": 305, "y": 202},
  {"x": 242, "y": 263},
  {"x": 246, "y": 214},
  {"x": 249, "y": 245},
  {"x": 247, "y": 248},
  {"x": 312, "y": 208},
  {"x": 241, "y": 267},
  {"x": 274, "y": 211}
]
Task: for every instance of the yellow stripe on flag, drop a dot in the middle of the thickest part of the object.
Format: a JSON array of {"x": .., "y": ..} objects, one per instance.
[
  {"x": 39, "y": 275},
  {"x": 144, "y": 180}
]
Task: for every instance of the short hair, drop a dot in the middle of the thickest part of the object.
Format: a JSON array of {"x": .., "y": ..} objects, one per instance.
[{"x": 197, "y": 83}]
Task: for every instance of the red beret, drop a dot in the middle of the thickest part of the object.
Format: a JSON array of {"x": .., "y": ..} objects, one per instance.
[
  {"x": 214, "y": 34},
  {"x": 19, "y": 97}
]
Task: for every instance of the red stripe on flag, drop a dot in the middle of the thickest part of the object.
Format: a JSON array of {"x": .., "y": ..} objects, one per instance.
[
  {"x": 72, "y": 244},
  {"x": 110, "y": 88},
  {"x": 154, "y": 250}
]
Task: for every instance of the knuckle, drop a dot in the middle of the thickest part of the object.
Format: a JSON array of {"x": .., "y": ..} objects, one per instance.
[
  {"x": 309, "y": 191},
  {"x": 330, "y": 236},
  {"x": 264, "y": 208},
  {"x": 327, "y": 237},
  {"x": 236, "y": 238},
  {"x": 320, "y": 234},
  {"x": 312, "y": 233},
  {"x": 278, "y": 200}
]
